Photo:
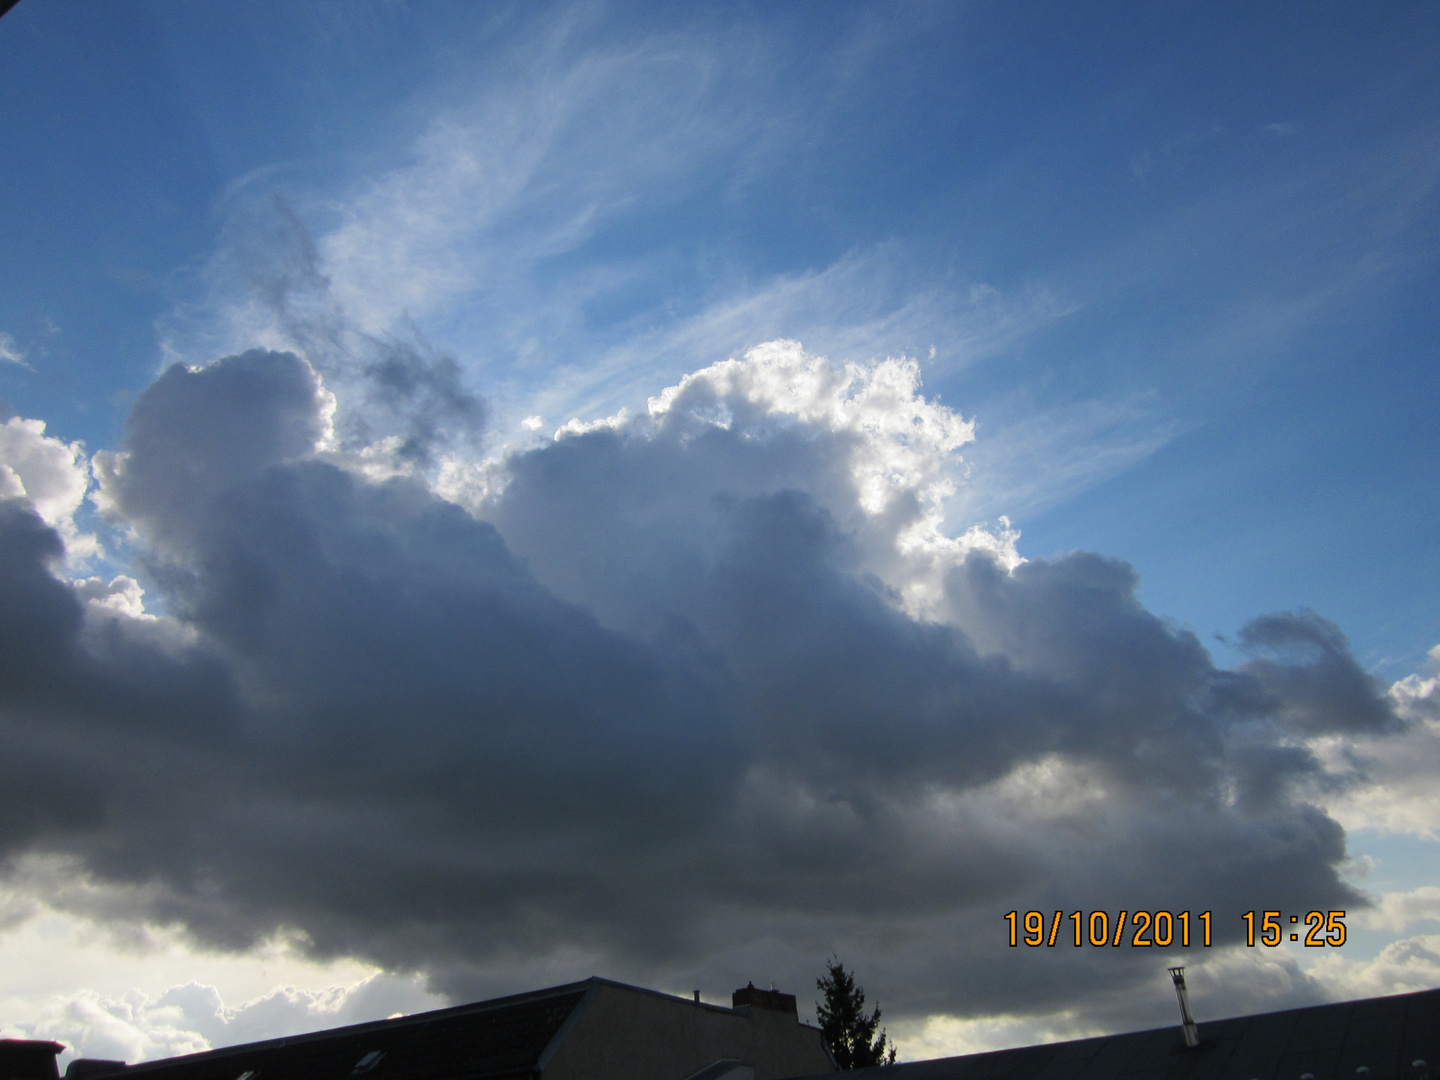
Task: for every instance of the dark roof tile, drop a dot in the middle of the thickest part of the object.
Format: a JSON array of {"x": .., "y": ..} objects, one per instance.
[{"x": 1328, "y": 1041}]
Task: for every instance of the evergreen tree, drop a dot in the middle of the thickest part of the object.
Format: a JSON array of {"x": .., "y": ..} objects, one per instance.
[{"x": 850, "y": 1033}]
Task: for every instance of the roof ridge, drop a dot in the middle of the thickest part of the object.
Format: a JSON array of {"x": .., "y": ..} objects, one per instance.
[{"x": 386, "y": 1024}]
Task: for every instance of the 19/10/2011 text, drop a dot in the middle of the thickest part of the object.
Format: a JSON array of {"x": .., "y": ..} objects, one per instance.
[
  {"x": 1149, "y": 929},
  {"x": 1141, "y": 929}
]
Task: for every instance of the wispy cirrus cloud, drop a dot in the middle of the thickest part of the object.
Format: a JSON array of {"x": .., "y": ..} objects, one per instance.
[
  {"x": 553, "y": 233},
  {"x": 10, "y": 352}
]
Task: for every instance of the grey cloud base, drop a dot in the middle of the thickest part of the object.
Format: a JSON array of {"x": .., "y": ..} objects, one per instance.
[{"x": 654, "y": 718}]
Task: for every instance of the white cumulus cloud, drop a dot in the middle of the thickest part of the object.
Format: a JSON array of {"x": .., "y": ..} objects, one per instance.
[
  {"x": 193, "y": 1017},
  {"x": 52, "y": 474},
  {"x": 1392, "y": 780}
]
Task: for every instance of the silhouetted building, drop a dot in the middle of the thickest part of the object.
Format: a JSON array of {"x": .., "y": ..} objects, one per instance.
[
  {"x": 602, "y": 1030},
  {"x": 28, "y": 1059},
  {"x": 591, "y": 1030},
  {"x": 1386, "y": 1038}
]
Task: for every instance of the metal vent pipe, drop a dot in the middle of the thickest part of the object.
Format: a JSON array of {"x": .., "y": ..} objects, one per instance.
[{"x": 1187, "y": 1022}]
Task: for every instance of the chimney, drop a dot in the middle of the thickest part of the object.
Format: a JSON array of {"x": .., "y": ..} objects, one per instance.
[
  {"x": 770, "y": 1000},
  {"x": 1187, "y": 1022},
  {"x": 29, "y": 1059}
]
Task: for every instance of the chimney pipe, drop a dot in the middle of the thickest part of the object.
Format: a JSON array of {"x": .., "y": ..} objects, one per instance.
[{"x": 1187, "y": 1022}]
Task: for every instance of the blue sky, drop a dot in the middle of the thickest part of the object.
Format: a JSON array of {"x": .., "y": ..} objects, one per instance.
[
  {"x": 1176, "y": 265},
  {"x": 1215, "y": 232}
]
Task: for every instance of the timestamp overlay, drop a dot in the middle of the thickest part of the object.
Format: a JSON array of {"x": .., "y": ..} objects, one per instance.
[{"x": 1148, "y": 928}]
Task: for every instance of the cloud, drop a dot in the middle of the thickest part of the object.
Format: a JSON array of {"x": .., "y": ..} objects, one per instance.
[
  {"x": 688, "y": 699},
  {"x": 193, "y": 1017},
  {"x": 1391, "y": 781},
  {"x": 552, "y": 142},
  {"x": 124, "y": 1030},
  {"x": 1032, "y": 458},
  {"x": 121, "y": 595},
  {"x": 1401, "y": 910},
  {"x": 859, "y": 440},
  {"x": 1401, "y": 967},
  {"x": 865, "y": 304},
  {"x": 10, "y": 352},
  {"x": 50, "y": 474},
  {"x": 496, "y": 228},
  {"x": 405, "y": 401}
]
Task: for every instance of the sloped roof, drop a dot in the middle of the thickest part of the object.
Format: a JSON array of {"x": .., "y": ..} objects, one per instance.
[
  {"x": 503, "y": 1037},
  {"x": 1326, "y": 1042}
]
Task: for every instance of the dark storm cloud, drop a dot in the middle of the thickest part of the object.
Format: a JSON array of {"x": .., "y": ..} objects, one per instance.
[
  {"x": 655, "y": 718},
  {"x": 423, "y": 394},
  {"x": 1303, "y": 662},
  {"x": 392, "y": 385}
]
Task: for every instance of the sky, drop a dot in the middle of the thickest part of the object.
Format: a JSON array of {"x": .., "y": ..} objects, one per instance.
[{"x": 493, "y": 494}]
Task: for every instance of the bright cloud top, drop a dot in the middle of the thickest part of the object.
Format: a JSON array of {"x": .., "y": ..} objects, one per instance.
[
  {"x": 899, "y": 450},
  {"x": 51, "y": 475},
  {"x": 904, "y": 442}
]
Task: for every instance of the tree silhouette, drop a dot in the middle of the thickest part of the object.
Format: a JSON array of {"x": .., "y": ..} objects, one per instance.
[{"x": 850, "y": 1033}]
